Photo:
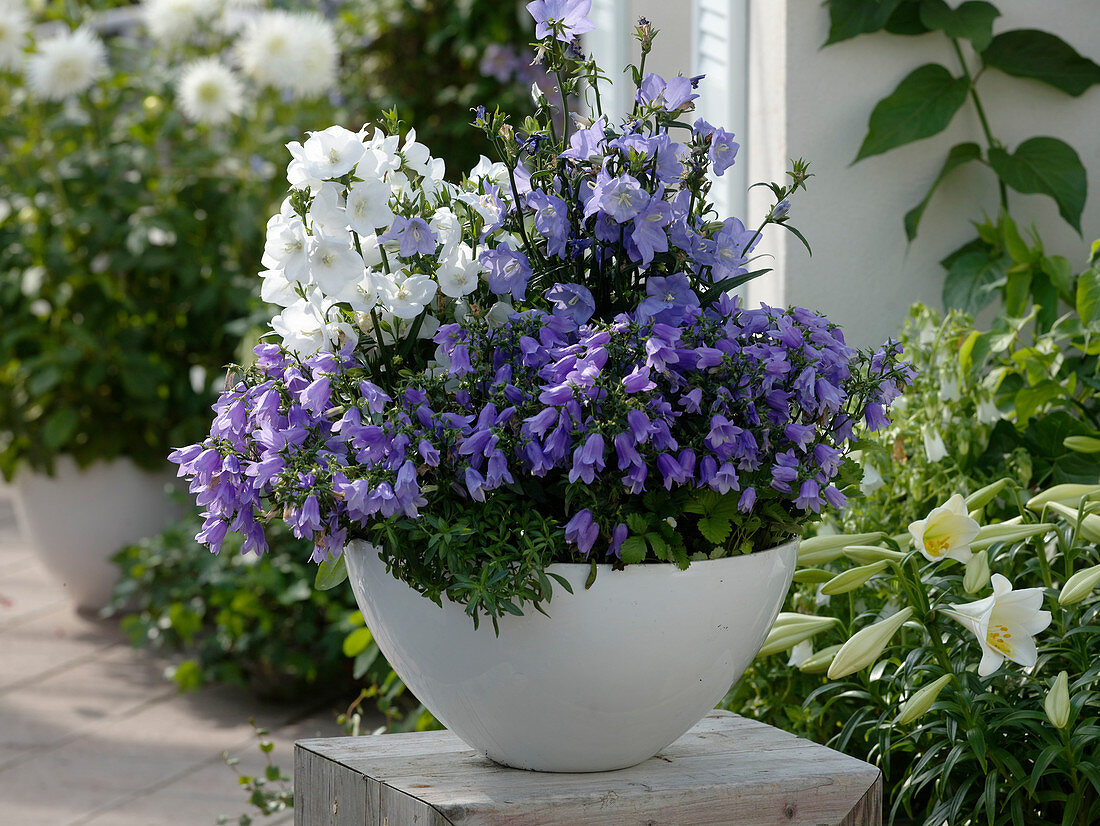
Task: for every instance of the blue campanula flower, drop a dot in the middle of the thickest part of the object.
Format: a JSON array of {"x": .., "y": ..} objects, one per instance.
[
  {"x": 573, "y": 302},
  {"x": 507, "y": 271},
  {"x": 570, "y": 16},
  {"x": 414, "y": 236},
  {"x": 582, "y": 531}
]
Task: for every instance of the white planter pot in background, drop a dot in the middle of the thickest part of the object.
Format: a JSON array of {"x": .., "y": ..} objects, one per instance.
[
  {"x": 78, "y": 518},
  {"x": 611, "y": 677}
]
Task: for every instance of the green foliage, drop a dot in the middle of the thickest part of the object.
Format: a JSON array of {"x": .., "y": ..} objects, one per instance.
[
  {"x": 239, "y": 619},
  {"x": 927, "y": 99}
]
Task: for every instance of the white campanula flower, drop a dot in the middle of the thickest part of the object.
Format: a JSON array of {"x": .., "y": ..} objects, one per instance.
[
  {"x": 276, "y": 288},
  {"x": 433, "y": 182},
  {"x": 178, "y": 21},
  {"x": 66, "y": 64},
  {"x": 333, "y": 263},
  {"x": 209, "y": 92},
  {"x": 872, "y": 480},
  {"x": 287, "y": 247},
  {"x": 331, "y": 153},
  {"x": 416, "y": 155},
  {"x": 800, "y": 652},
  {"x": 361, "y": 295},
  {"x": 447, "y": 228},
  {"x": 292, "y": 52},
  {"x": 371, "y": 250},
  {"x": 1005, "y": 624},
  {"x": 946, "y": 532},
  {"x": 495, "y": 172},
  {"x": 327, "y": 211},
  {"x": 934, "y": 447},
  {"x": 14, "y": 25},
  {"x": 405, "y": 296},
  {"x": 368, "y": 206},
  {"x": 303, "y": 326},
  {"x": 458, "y": 272}
]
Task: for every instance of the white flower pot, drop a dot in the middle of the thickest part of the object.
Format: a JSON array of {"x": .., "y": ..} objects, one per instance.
[
  {"x": 78, "y": 518},
  {"x": 611, "y": 677}
]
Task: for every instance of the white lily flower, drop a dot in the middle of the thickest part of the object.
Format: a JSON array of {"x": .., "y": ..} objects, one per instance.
[
  {"x": 287, "y": 247},
  {"x": 1005, "y": 624},
  {"x": 946, "y": 532},
  {"x": 331, "y": 153},
  {"x": 406, "y": 296},
  {"x": 934, "y": 447},
  {"x": 368, "y": 206},
  {"x": 333, "y": 263}
]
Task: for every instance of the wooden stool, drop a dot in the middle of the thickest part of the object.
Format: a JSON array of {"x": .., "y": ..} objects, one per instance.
[{"x": 726, "y": 770}]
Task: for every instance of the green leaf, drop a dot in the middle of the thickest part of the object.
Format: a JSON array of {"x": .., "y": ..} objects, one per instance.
[
  {"x": 848, "y": 18},
  {"x": 973, "y": 20},
  {"x": 1060, "y": 271},
  {"x": 1044, "y": 57},
  {"x": 1088, "y": 295},
  {"x": 633, "y": 550},
  {"x": 357, "y": 642},
  {"x": 1030, "y": 400},
  {"x": 906, "y": 20},
  {"x": 921, "y": 105},
  {"x": 1046, "y": 166},
  {"x": 60, "y": 426},
  {"x": 330, "y": 574},
  {"x": 960, "y": 154},
  {"x": 972, "y": 282},
  {"x": 658, "y": 544},
  {"x": 714, "y": 529},
  {"x": 637, "y": 523}
]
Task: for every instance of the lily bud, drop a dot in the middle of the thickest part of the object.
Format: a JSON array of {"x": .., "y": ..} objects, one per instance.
[
  {"x": 866, "y": 644},
  {"x": 1065, "y": 494},
  {"x": 865, "y": 554},
  {"x": 1082, "y": 444},
  {"x": 819, "y": 661},
  {"x": 1006, "y": 532},
  {"x": 1079, "y": 586},
  {"x": 983, "y": 496},
  {"x": 819, "y": 549},
  {"x": 793, "y": 631},
  {"x": 812, "y": 576},
  {"x": 1056, "y": 703},
  {"x": 921, "y": 701},
  {"x": 853, "y": 578},
  {"x": 1090, "y": 522},
  {"x": 977, "y": 573}
]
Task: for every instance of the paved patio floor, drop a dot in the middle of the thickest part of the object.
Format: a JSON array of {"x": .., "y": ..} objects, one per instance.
[{"x": 92, "y": 733}]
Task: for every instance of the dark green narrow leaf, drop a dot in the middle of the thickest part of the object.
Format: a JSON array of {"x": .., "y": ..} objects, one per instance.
[
  {"x": 922, "y": 105},
  {"x": 961, "y": 154},
  {"x": 1044, "y": 57},
  {"x": 848, "y": 18},
  {"x": 1046, "y": 166},
  {"x": 972, "y": 281}
]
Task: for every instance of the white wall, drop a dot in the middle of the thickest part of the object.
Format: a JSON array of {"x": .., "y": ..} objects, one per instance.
[{"x": 863, "y": 274}]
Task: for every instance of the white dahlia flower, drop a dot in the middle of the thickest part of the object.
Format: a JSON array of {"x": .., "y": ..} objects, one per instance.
[
  {"x": 292, "y": 52},
  {"x": 209, "y": 92},
  {"x": 66, "y": 64},
  {"x": 14, "y": 26},
  {"x": 178, "y": 21}
]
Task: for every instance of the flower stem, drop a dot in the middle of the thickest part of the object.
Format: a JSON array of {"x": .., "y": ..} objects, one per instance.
[{"x": 990, "y": 140}]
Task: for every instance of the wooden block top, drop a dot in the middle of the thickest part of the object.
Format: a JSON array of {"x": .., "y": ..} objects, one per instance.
[{"x": 727, "y": 769}]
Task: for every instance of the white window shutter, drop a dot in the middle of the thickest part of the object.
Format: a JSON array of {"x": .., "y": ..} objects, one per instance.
[{"x": 610, "y": 43}]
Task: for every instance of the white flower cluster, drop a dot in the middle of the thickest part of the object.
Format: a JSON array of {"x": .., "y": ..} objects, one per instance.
[{"x": 376, "y": 243}]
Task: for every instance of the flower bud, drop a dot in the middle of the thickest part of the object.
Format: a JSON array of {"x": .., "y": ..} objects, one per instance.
[
  {"x": 866, "y": 644},
  {"x": 1008, "y": 532},
  {"x": 792, "y": 631},
  {"x": 865, "y": 554},
  {"x": 819, "y": 549},
  {"x": 1056, "y": 703},
  {"x": 1090, "y": 522},
  {"x": 1065, "y": 494},
  {"x": 921, "y": 701},
  {"x": 983, "y": 496},
  {"x": 853, "y": 578},
  {"x": 1082, "y": 444},
  {"x": 812, "y": 576},
  {"x": 1079, "y": 586},
  {"x": 819, "y": 661},
  {"x": 977, "y": 573}
]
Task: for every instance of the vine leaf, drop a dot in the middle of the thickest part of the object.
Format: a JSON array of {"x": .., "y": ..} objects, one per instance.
[
  {"x": 960, "y": 154},
  {"x": 1046, "y": 166},
  {"x": 972, "y": 281},
  {"x": 1044, "y": 57},
  {"x": 972, "y": 20},
  {"x": 848, "y": 18},
  {"x": 921, "y": 105}
]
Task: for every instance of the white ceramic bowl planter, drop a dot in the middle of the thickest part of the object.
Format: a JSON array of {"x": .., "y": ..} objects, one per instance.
[
  {"x": 78, "y": 518},
  {"x": 611, "y": 677}
]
